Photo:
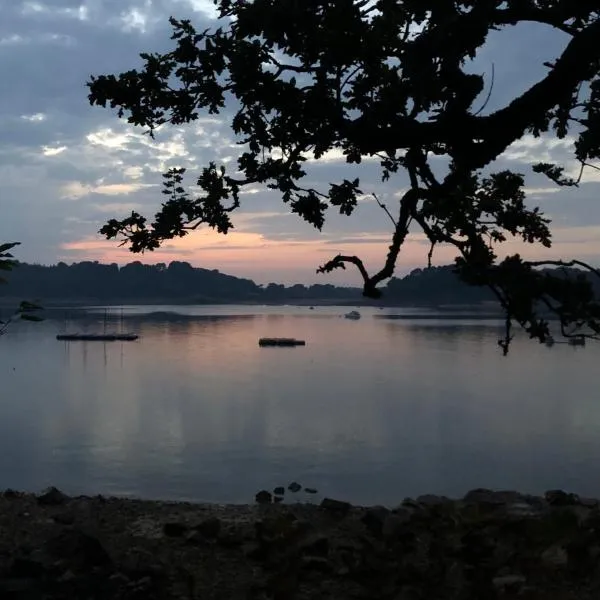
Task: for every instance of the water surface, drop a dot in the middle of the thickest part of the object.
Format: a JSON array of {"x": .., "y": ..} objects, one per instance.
[{"x": 370, "y": 411}]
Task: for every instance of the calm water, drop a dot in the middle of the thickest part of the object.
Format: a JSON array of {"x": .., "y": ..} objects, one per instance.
[{"x": 371, "y": 410}]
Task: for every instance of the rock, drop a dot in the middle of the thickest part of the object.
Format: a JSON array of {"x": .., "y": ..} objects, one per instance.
[
  {"x": 294, "y": 487},
  {"x": 119, "y": 579},
  {"x": 521, "y": 510},
  {"x": 335, "y": 506},
  {"x": 454, "y": 578},
  {"x": 310, "y": 490},
  {"x": 195, "y": 538},
  {"x": 318, "y": 546},
  {"x": 210, "y": 527},
  {"x": 581, "y": 513},
  {"x": 589, "y": 502},
  {"x": 409, "y": 503},
  {"x": 52, "y": 497},
  {"x": 64, "y": 519},
  {"x": 432, "y": 500},
  {"x": 255, "y": 551},
  {"x": 174, "y": 529},
  {"x": 555, "y": 556},
  {"x": 492, "y": 498},
  {"x": 23, "y": 568},
  {"x": 508, "y": 581},
  {"x": 231, "y": 539},
  {"x": 67, "y": 576},
  {"x": 279, "y": 491},
  {"x": 78, "y": 548},
  {"x": 560, "y": 498},
  {"x": 316, "y": 563},
  {"x": 19, "y": 588},
  {"x": 8, "y": 493},
  {"x": 395, "y": 524},
  {"x": 277, "y": 499},
  {"x": 374, "y": 518},
  {"x": 264, "y": 497}
]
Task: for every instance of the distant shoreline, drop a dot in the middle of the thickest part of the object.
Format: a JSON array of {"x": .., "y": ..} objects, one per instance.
[{"x": 117, "y": 303}]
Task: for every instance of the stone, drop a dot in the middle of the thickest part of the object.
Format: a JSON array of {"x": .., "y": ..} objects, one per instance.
[
  {"x": 555, "y": 556},
  {"x": 174, "y": 529},
  {"x": 264, "y": 497},
  {"x": 119, "y": 579},
  {"x": 67, "y": 576},
  {"x": 560, "y": 498},
  {"x": 52, "y": 497},
  {"x": 521, "y": 510},
  {"x": 277, "y": 499},
  {"x": 492, "y": 497},
  {"x": 19, "y": 588},
  {"x": 294, "y": 487},
  {"x": 231, "y": 539},
  {"x": 508, "y": 581},
  {"x": 77, "y": 547},
  {"x": 210, "y": 527},
  {"x": 64, "y": 518},
  {"x": 581, "y": 513},
  {"x": 374, "y": 519},
  {"x": 310, "y": 490},
  {"x": 588, "y": 502},
  {"x": 409, "y": 503},
  {"x": 316, "y": 563},
  {"x": 317, "y": 546},
  {"x": 395, "y": 524},
  {"x": 335, "y": 506},
  {"x": 432, "y": 500},
  {"x": 23, "y": 568},
  {"x": 255, "y": 551},
  {"x": 279, "y": 491},
  {"x": 195, "y": 538}
]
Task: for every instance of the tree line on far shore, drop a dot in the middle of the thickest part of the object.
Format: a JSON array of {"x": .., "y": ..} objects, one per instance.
[{"x": 180, "y": 282}]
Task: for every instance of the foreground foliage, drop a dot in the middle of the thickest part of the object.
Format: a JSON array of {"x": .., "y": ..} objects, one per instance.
[
  {"x": 381, "y": 79},
  {"x": 26, "y": 310}
]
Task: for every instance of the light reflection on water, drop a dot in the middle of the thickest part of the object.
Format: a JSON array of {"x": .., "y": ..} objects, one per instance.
[{"x": 370, "y": 410}]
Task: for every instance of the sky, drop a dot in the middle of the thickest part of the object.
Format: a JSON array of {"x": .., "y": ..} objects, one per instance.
[{"x": 67, "y": 167}]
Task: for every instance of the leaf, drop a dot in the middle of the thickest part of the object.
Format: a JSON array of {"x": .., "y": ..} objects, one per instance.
[
  {"x": 8, "y": 246},
  {"x": 28, "y": 317},
  {"x": 27, "y": 306}
]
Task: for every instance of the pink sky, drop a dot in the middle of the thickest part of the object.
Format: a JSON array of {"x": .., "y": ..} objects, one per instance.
[{"x": 251, "y": 255}]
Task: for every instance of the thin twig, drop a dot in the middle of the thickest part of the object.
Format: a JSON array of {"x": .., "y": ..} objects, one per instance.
[
  {"x": 430, "y": 254},
  {"x": 562, "y": 263},
  {"x": 489, "y": 95},
  {"x": 385, "y": 208}
]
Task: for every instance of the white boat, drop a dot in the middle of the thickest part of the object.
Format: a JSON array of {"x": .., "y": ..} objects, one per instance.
[{"x": 353, "y": 314}]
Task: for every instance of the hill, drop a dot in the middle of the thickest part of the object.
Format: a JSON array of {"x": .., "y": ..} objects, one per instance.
[{"x": 180, "y": 283}]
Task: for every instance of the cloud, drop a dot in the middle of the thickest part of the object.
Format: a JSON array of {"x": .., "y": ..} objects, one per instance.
[
  {"x": 67, "y": 167},
  {"x": 75, "y": 190}
]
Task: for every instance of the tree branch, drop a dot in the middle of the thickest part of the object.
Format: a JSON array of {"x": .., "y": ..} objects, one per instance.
[
  {"x": 562, "y": 263},
  {"x": 495, "y": 131},
  {"x": 385, "y": 208}
]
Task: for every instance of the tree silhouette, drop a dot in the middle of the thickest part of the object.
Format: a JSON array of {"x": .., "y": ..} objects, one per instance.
[
  {"x": 26, "y": 311},
  {"x": 382, "y": 79}
]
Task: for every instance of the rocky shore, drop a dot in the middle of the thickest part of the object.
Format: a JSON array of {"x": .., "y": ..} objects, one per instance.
[{"x": 486, "y": 545}]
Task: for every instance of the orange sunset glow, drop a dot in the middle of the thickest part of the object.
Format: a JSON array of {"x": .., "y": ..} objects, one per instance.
[{"x": 248, "y": 254}]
